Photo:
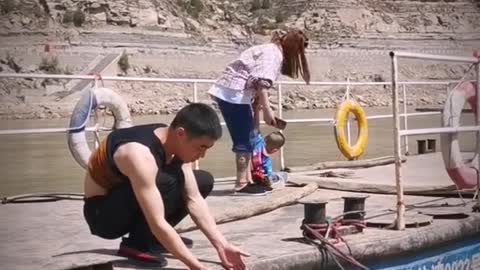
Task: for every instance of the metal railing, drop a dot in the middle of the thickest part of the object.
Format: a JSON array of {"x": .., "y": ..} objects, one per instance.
[
  {"x": 398, "y": 133},
  {"x": 196, "y": 82}
]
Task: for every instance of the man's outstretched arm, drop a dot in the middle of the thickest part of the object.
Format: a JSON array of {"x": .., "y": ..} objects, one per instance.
[{"x": 230, "y": 255}]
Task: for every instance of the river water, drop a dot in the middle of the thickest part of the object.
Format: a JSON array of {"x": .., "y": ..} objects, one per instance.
[{"x": 43, "y": 163}]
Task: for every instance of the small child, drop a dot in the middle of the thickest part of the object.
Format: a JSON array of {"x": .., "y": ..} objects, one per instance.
[
  {"x": 261, "y": 165},
  {"x": 262, "y": 171}
]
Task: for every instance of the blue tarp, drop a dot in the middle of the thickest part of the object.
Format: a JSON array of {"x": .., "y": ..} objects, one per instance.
[{"x": 464, "y": 255}]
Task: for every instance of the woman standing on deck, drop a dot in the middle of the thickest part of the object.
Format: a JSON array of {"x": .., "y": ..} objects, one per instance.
[{"x": 248, "y": 77}]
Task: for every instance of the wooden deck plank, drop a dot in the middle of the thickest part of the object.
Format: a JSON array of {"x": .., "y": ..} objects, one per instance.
[{"x": 54, "y": 235}]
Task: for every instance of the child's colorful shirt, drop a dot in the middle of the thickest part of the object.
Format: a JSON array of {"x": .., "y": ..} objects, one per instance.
[{"x": 261, "y": 161}]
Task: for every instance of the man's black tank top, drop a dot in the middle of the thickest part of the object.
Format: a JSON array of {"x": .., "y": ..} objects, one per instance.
[{"x": 143, "y": 134}]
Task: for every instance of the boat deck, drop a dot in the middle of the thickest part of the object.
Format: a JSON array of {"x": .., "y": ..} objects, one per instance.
[{"x": 54, "y": 235}]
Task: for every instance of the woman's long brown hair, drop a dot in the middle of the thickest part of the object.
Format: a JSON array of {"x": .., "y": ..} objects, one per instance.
[{"x": 293, "y": 44}]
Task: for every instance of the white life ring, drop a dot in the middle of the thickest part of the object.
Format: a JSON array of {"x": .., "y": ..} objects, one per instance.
[
  {"x": 464, "y": 175},
  {"x": 90, "y": 100}
]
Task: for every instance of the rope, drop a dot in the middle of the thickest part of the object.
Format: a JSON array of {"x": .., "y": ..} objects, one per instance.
[
  {"x": 90, "y": 104},
  {"x": 42, "y": 197},
  {"x": 313, "y": 235},
  {"x": 97, "y": 125},
  {"x": 90, "y": 107},
  {"x": 327, "y": 235},
  {"x": 51, "y": 197},
  {"x": 347, "y": 94},
  {"x": 97, "y": 77}
]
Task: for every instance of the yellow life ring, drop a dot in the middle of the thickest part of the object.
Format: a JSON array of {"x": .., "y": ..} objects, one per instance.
[{"x": 351, "y": 152}]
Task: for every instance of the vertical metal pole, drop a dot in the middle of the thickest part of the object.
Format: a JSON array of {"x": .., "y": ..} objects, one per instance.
[
  {"x": 195, "y": 92},
  {"x": 477, "y": 122},
  {"x": 280, "y": 114},
  {"x": 195, "y": 99},
  {"x": 349, "y": 136},
  {"x": 96, "y": 134},
  {"x": 405, "y": 117},
  {"x": 400, "y": 222}
]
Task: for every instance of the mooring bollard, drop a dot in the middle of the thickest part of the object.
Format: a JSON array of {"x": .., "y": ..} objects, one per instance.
[
  {"x": 354, "y": 207},
  {"x": 421, "y": 147},
  {"x": 432, "y": 145},
  {"x": 314, "y": 211},
  {"x": 426, "y": 146}
]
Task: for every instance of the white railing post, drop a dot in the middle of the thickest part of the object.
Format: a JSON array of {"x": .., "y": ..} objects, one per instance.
[
  {"x": 195, "y": 99},
  {"x": 477, "y": 122},
  {"x": 195, "y": 92},
  {"x": 405, "y": 117},
  {"x": 280, "y": 115},
  {"x": 400, "y": 222},
  {"x": 349, "y": 139},
  {"x": 96, "y": 133}
]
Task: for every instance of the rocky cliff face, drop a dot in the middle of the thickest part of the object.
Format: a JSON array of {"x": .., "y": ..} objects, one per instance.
[
  {"x": 330, "y": 23},
  {"x": 350, "y": 38}
]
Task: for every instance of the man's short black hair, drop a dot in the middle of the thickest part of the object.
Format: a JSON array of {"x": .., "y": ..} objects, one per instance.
[{"x": 198, "y": 120}]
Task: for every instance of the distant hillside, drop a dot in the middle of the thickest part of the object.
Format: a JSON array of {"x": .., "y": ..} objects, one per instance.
[
  {"x": 341, "y": 23},
  {"x": 196, "y": 39}
]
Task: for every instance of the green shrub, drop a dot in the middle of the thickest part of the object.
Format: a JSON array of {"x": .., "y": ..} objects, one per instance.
[
  {"x": 68, "y": 70},
  {"x": 13, "y": 64},
  {"x": 38, "y": 12},
  {"x": 266, "y": 4},
  {"x": 123, "y": 62},
  {"x": 7, "y": 6},
  {"x": 256, "y": 5},
  {"x": 194, "y": 8},
  {"x": 49, "y": 65},
  {"x": 260, "y": 4},
  {"x": 147, "y": 69},
  {"x": 68, "y": 16},
  {"x": 78, "y": 18},
  {"x": 280, "y": 17}
]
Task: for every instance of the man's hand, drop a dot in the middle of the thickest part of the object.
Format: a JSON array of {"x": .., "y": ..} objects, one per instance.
[{"x": 231, "y": 257}]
